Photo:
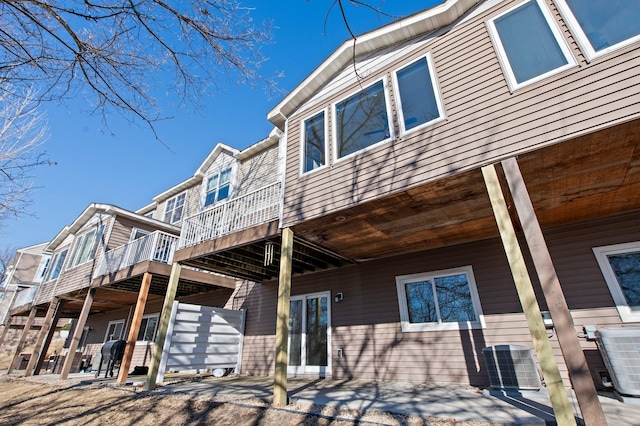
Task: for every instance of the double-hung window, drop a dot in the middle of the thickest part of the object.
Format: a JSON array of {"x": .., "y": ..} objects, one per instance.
[
  {"x": 620, "y": 266},
  {"x": 115, "y": 330},
  {"x": 174, "y": 207},
  {"x": 314, "y": 146},
  {"x": 420, "y": 103},
  {"x": 218, "y": 186},
  {"x": 529, "y": 44},
  {"x": 601, "y": 26},
  {"x": 439, "y": 300},
  {"x": 361, "y": 121},
  {"x": 148, "y": 328},
  {"x": 55, "y": 266},
  {"x": 85, "y": 247}
]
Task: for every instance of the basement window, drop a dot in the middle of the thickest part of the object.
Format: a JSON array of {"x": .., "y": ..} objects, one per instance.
[
  {"x": 439, "y": 300},
  {"x": 361, "y": 121},
  {"x": 529, "y": 44},
  {"x": 620, "y": 266},
  {"x": 148, "y": 328},
  {"x": 115, "y": 330},
  {"x": 601, "y": 26}
]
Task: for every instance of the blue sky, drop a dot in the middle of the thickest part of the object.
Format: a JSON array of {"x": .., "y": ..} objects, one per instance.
[{"x": 126, "y": 166}]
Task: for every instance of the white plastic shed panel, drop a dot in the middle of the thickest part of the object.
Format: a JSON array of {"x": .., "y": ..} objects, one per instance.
[{"x": 201, "y": 338}]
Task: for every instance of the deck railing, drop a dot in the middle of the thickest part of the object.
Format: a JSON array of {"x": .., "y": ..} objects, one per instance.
[
  {"x": 157, "y": 247},
  {"x": 249, "y": 210},
  {"x": 25, "y": 296}
]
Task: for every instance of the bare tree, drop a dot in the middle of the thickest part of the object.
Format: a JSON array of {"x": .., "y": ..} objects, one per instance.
[
  {"x": 7, "y": 255},
  {"x": 23, "y": 130},
  {"x": 117, "y": 53}
]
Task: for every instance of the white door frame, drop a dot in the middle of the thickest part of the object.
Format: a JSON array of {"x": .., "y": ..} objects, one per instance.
[{"x": 312, "y": 369}]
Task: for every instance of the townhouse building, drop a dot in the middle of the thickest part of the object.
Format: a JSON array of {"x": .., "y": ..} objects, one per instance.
[{"x": 465, "y": 178}]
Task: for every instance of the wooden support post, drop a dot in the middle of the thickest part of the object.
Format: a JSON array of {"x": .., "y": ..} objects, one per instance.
[
  {"x": 583, "y": 384},
  {"x": 165, "y": 316},
  {"x": 7, "y": 326},
  {"x": 282, "y": 319},
  {"x": 134, "y": 328},
  {"x": 550, "y": 372},
  {"x": 47, "y": 327},
  {"x": 48, "y": 338},
  {"x": 77, "y": 334},
  {"x": 23, "y": 339}
]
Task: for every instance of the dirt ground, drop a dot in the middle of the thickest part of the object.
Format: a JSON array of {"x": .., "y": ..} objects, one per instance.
[{"x": 25, "y": 402}]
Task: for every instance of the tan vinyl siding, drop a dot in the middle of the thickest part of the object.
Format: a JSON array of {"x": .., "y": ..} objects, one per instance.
[
  {"x": 258, "y": 171},
  {"x": 366, "y": 324},
  {"x": 25, "y": 271},
  {"x": 45, "y": 293},
  {"x": 484, "y": 120}
]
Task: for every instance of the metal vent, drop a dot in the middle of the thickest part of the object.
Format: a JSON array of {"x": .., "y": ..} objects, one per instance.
[
  {"x": 620, "y": 349},
  {"x": 511, "y": 367}
]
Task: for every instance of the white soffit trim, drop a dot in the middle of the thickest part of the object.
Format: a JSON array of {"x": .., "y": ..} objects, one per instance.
[
  {"x": 107, "y": 209},
  {"x": 272, "y": 139},
  {"x": 412, "y": 26}
]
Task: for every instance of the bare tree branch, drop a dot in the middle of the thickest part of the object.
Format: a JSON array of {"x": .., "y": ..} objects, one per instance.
[
  {"x": 23, "y": 130},
  {"x": 117, "y": 54}
]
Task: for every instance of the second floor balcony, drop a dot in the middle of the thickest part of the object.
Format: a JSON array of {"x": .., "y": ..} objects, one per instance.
[
  {"x": 25, "y": 297},
  {"x": 254, "y": 208},
  {"x": 155, "y": 247}
]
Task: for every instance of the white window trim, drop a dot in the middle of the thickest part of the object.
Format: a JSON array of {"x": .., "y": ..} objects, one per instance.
[
  {"x": 166, "y": 203},
  {"x": 437, "y": 94},
  {"x": 79, "y": 241},
  {"x": 232, "y": 166},
  {"x": 145, "y": 342},
  {"x": 42, "y": 268},
  {"x": 324, "y": 111},
  {"x": 404, "y": 310},
  {"x": 582, "y": 39},
  {"x": 601, "y": 253},
  {"x": 135, "y": 230},
  {"x": 52, "y": 265},
  {"x": 504, "y": 60},
  {"x": 106, "y": 333},
  {"x": 305, "y": 369},
  {"x": 334, "y": 141}
]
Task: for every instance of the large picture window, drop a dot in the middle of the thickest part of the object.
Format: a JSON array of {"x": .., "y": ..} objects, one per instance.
[
  {"x": 620, "y": 266},
  {"x": 419, "y": 101},
  {"x": 314, "y": 147},
  {"x": 440, "y": 300},
  {"x": 361, "y": 121},
  {"x": 601, "y": 26},
  {"x": 529, "y": 44},
  {"x": 173, "y": 209},
  {"x": 218, "y": 186},
  {"x": 85, "y": 248}
]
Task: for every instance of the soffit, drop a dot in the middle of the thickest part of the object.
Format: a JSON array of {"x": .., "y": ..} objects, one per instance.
[{"x": 590, "y": 176}]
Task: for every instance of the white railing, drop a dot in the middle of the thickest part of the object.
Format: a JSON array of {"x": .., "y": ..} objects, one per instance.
[
  {"x": 157, "y": 247},
  {"x": 26, "y": 296},
  {"x": 249, "y": 210}
]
